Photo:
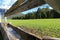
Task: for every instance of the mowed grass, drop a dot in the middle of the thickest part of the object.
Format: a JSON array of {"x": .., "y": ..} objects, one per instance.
[{"x": 41, "y": 27}]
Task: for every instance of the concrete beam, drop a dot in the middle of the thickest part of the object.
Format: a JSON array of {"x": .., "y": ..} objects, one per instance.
[
  {"x": 31, "y": 4},
  {"x": 54, "y": 4},
  {"x": 26, "y": 5}
]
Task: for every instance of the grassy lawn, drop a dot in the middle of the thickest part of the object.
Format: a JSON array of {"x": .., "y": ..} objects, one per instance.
[{"x": 41, "y": 27}]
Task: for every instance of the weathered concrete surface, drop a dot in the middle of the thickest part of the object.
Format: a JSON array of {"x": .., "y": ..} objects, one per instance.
[
  {"x": 7, "y": 34},
  {"x": 55, "y": 4},
  {"x": 15, "y": 6},
  {"x": 4, "y": 34},
  {"x": 50, "y": 38}
]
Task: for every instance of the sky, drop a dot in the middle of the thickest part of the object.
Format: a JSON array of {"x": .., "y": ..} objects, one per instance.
[{"x": 6, "y": 4}]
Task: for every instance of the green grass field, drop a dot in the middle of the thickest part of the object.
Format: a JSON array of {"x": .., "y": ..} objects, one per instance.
[{"x": 41, "y": 27}]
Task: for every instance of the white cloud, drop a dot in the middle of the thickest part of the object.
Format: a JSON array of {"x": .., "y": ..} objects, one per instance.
[
  {"x": 50, "y": 7},
  {"x": 6, "y": 3},
  {"x": 5, "y": 7}
]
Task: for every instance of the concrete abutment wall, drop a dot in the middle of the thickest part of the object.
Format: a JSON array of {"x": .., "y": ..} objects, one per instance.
[
  {"x": 4, "y": 34},
  {"x": 23, "y": 34}
]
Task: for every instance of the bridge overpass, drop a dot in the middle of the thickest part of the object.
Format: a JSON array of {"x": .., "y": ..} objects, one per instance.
[{"x": 23, "y": 5}]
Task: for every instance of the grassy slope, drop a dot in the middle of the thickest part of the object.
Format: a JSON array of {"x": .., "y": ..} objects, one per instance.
[{"x": 41, "y": 27}]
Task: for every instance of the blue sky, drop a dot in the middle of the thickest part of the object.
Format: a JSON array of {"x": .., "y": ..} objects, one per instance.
[{"x": 6, "y": 3}]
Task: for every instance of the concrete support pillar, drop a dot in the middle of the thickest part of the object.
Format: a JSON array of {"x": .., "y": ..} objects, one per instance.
[
  {"x": 5, "y": 19},
  {"x": 5, "y": 22}
]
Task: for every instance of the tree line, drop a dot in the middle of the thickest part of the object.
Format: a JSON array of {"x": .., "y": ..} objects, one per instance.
[{"x": 40, "y": 14}]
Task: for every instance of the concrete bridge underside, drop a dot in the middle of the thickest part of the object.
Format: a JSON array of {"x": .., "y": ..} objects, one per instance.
[{"x": 23, "y": 5}]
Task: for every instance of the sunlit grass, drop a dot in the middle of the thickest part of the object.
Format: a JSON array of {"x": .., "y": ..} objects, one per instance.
[{"x": 43, "y": 27}]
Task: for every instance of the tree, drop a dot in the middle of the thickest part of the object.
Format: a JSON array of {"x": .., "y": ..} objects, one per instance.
[{"x": 39, "y": 13}]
